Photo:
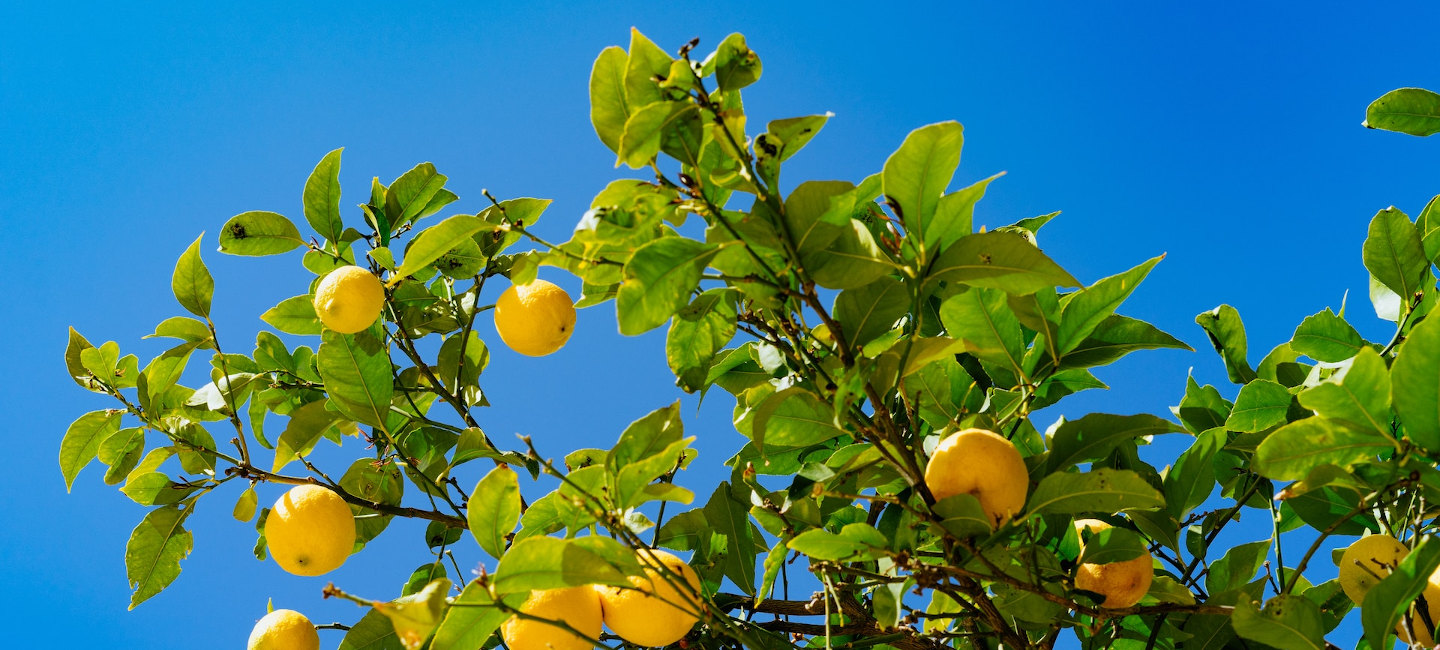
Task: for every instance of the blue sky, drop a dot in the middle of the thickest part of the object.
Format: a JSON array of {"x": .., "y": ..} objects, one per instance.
[{"x": 1228, "y": 138}]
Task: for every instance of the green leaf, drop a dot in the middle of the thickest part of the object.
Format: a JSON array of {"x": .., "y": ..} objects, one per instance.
[
  {"x": 304, "y": 428},
  {"x": 356, "y": 372},
  {"x": 1191, "y": 480},
  {"x": 1286, "y": 623},
  {"x": 736, "y": 66},
  {"x": 983, "y": 320},
  {"x": 1092, "y": 437},
  {"x": 245, "y": 505},
  {"x": 1113, "y": 338},
  {"x": 82, "y": 441},
  {"x": 322, "y": 197},
  {"x": 916, "y": 175},
  {"x": 962, "y": 516},
  {"x": 698, "y": 332},
  {"x": 436, "y": 241},
  {"x": 640, "y": 142},
  {"x": 658, "y": 280},
  {"x": 74, "y": 347},
  {"x": 294, "y": 316},
  {"x": 646, "y": 62},
  {"x": 259, "y": 233},
  {"x": 1085, "y": 309},
  {"x": 1260, "y": 405},
  {"x": 732, "y": 521},
  {"x": 1227, "y": 334},
  {"x": 999, "y": 260},
  {"x": 794, "y": 417},
  {"x": 408, "y": 196},
  {"x": 853, "y": 260},
  {"x": 1099, "y": 490},
  {"x": 192, "y": 283},
  {"x": 551, "y": 563},
  {"x": 608, "y": 108},
  {"x": 373, "y": 632},
  {"x": 1414, "y": 111},
  {"x": 1360, "y": 393},
  {"x": 1326, "y": 337},
  {"x": 955, "y": 214},
  {"x": 494, "y": 509},
  {"x": 1415, "y": 384},
  {"x": 1394, "y": 254},
  {"x": 1387, "y": 602},
  {"x": 816, "y": 213},
  {"x": 646, "y": 437},
  {"x": 821, "y": 544},
  {"x": 793, "y": 133},
  {"x": 472, "y": 619},
  {"x": 1238, "y": 566},
  {"x": 1112, "y": 545},
  {"x": 183, "y": 328},
  {"x": 153, "y": 554},
  {"x": 1428, "y": 225},
  {"x": 869, "y": 311},
  {"x": 1293, "y": 450}
]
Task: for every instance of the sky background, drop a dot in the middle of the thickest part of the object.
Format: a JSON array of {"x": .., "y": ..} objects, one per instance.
[{"x": 1226, "y": 137}]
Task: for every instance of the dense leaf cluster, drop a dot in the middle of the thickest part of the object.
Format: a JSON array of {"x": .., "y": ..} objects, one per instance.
[{"x": 855, "y": 324}]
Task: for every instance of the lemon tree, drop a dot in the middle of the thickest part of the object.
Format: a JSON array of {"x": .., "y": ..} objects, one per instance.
[{"x": 887, "y": 346}]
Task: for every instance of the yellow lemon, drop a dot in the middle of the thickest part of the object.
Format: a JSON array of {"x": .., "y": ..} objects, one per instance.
[
  {"x": 1122, "y": 583},
  {"x": 534, "y": 319},
  {"x": 654, "y": 612},
  {"x": 984, "y": 464},
  {"x": 310, "y": 531},
  {"x": 1432, "y": 603},
  {"x": 1367, "y": 562},
  {"x": 284, "y": 629},
  {"x": 578, "y": 607},
  {"x": 349, "y": 299}
]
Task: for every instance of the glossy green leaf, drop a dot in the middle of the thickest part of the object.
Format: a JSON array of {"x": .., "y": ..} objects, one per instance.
[
  {"x": 322, "y": 197},
  {"x": 304, "y": 428},
  {"x": 294, "y": 315},
  {"x": 658, "y": 280},
  {"x": 1326, "y": 337},
  {"x": 1415, "y": 384},
  {"x": 1099, "y": 490},
  {"x": 1428, "y": 225},
  {"x": 1293, "y": 450},
  {"x": 1414, "y": 111},
  {"x": 1237, "y": 567},
  {"x": 1192, "y": 478},
  {"x": 82, "y": 441},
  {"x": 1085, "y": 309},
  {"x": 731, "y": 521},
  {"x": 867, "y": 312},
  {"x": 551, "y": 563},
  {"x": 259, "y": 233},
  {"x": 191, "y": 282},
  {"x": 646, "y": 437},
  {"x": 998, "y": 260},
  {"x": 917, "y": 174},
  {"x": 408, "y": 196},
  {"x": 372, "y": 632},
  {"x": 608, "y": 108},
  {"x": 697, "y": 332},
  {"x": 1093, "y": 436},
  {"x": 471, "y": 620},
  {"x": 1394, "y": 254},
  {"x": 641, "y": 139},
  {"x": 736, "y": 65},
  {"x": 356, "y": 371},
  {"x": 1286, "y": 623},
  {"x": 1360, "y": 393},
  {"x": 1112, "y": 339},
  {"x": 646, "y": 62},
  {"x": 987, "y": 326},
  {"x": 154, "y": 552},
  {"x": 1227, "y": 335},
  {"x": 794, "y": 417},
  {"x": 437, "y": 240},
  {"x": 955, "y": 214},
  {"x": 1112, "y": 545},
  {"x": 1260, "y": 405},
  {"x": 494, "y": 509}
]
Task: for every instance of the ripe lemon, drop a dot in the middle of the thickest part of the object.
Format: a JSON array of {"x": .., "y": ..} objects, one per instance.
[
  {"x": 349, "y": 299},
  {"x": 1368, "y": 561},
  {"x": 310, "y": 531},
  {"x": 578, "y": 607},
  {"x": 1122, "y": 583},
  {"x": 654, "y": 613},
  {"x": 284, "y": 629},
  {"x": 534, "y": 319},
  {"x": 984, "y": 464}
]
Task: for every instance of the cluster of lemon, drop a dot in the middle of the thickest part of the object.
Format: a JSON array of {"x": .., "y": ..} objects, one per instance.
[
  {"x": 311, "y": 530},
  {"x": 987, "y": 466},
  {"x": 1368, "y": 561}
]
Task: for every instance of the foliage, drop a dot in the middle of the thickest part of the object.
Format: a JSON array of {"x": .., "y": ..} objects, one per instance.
[{"x": 854, "y": 323}]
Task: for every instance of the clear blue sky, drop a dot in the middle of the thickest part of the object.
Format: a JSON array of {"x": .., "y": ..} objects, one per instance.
[{"x": 1227, "y": 138}]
